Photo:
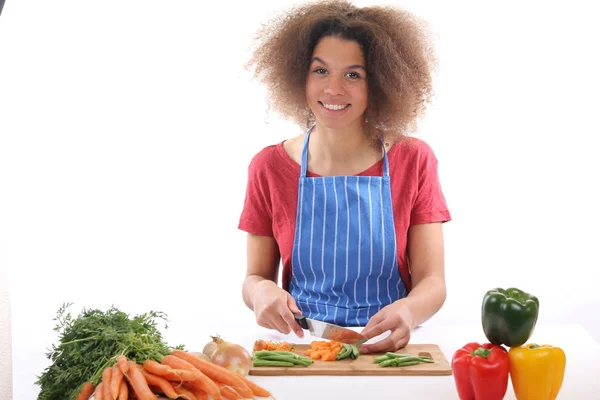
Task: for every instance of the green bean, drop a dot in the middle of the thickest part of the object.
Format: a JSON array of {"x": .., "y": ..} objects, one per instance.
[
  {"x": 262, "y": 353},
  {"x": 296, "y": 361},
  {"x": 259, "y": 362},
  {"x": 396, "y": 362},
  {"x": 345, "y": 352},
  {"x": 355, "y": 352},
  {"x": 397, "y": 355}
]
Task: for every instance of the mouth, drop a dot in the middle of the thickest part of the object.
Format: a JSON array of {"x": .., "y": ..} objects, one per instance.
[{"x": 334, "y": 109}]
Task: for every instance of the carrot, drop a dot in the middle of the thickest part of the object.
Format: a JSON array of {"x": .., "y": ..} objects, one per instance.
[
  {"x": 99, "y": 392},
  {"x": 156, "y": 368},
  {"x": 123, "y": 390},
  {"x": 138, "y": 383},
  {"x": 115, "y": 381},
  {"x": 197, "y": 390},
  {"x": 164, "y": 385},
  {"x": 122, "y": 361},
  {"x": 216, "y": 372},
  {"x": 86, "y": 391},
  {"x": 170, "y": 374},
  {"x": 184, "y": 393},
  {"x": 179, "y": 364},
  {"x": 228, "y": 392},
  {"x": 256, "y": 390},
  {"x": 106, "y": 378},
  {"x": 203, "y": 381}
]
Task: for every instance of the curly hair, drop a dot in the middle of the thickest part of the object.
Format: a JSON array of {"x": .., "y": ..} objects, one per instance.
[{"x": 396, "y": 46}]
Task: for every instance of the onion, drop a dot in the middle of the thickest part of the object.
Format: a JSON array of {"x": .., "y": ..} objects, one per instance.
[
  {"x": 210, "y": 348},
  {"x": 230, "y": 355}
]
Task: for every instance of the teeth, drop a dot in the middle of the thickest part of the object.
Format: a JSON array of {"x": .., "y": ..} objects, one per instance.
[{"x": 335, "y": 107}]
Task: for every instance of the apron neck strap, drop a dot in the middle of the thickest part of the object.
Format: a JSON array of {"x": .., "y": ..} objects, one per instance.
[{"x": 303, "y": 166}]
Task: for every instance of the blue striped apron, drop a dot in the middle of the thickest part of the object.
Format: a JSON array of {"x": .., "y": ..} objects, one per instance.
[{"x": 344, "y": 262}]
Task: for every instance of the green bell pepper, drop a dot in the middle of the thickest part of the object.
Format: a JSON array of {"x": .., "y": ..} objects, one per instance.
[{"x": 509, "y": 316}]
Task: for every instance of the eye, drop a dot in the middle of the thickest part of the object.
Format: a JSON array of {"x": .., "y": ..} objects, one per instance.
[
  {"x": 353, "y": 75},
  {"x": 320, "y": 71}
]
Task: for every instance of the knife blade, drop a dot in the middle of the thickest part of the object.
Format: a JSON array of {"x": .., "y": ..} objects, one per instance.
[{"x": 329, "y": 331}]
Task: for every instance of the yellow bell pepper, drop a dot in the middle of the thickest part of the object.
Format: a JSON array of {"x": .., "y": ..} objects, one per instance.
[{"x": 536, "y": 372}]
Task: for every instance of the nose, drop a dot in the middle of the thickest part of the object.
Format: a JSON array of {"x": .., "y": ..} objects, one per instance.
[{"x": 334, "y": 86}]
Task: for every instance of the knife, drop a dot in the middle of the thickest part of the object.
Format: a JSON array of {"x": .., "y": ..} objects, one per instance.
[{"x": 329, "y": 331}]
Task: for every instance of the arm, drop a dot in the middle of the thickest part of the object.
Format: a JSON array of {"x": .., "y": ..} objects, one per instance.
[
  {"x": 272, "y": 305},
  {"x": 263, "y": 264},
  {"x": 426, "y": 255}
]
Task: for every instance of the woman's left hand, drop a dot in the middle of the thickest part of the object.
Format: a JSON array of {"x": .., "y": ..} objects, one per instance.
[{"x": 395, "y": 318}]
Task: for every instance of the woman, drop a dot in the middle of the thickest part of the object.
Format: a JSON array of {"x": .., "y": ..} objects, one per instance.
[{"x": 352, "y": 208}]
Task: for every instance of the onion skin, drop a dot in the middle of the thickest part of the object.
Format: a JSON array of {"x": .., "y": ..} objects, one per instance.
[
  {"x": 231, "y": 356},
  {"x": 209, "y": 348}
]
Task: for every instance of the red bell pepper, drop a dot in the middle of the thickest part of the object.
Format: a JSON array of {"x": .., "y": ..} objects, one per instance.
[{"x": 481, "y": 371}]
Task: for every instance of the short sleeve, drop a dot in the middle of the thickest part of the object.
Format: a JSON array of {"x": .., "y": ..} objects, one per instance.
[
  {"x": 256, "y": 216},
  {"x": 430, "y": 204}
]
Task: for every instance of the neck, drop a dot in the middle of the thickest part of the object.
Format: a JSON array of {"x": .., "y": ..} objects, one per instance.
[{"x": 338, "y": 145}]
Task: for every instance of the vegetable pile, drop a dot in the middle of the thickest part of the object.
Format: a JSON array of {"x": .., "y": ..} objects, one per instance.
[
  {"x": 91, "y": 342},
  {"x": 179, "y": 375},
  {"x": 272, "y": 345},
  {"x": 482, "y": 371},
  {"x": 331, "y": 350},
  {"x": 112, "y": 356}
]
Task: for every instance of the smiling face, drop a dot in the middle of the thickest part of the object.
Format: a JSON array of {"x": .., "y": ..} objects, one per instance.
[{"x": 336, "y": 86}]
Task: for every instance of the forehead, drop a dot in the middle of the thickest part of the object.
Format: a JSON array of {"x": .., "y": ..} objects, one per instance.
[{"x": 334, "y": 50}]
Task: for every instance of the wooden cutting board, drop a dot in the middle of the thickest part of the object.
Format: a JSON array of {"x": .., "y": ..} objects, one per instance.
[{"x": 364, "y": 365}]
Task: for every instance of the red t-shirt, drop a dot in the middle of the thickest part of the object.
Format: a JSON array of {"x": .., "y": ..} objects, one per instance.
[{"x": 272, "y": 197}]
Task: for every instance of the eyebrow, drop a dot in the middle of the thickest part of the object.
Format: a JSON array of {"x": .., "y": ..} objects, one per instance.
[{"x": 354, "y": 66}]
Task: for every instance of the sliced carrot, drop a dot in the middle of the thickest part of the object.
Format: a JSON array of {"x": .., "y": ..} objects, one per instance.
[
  {"x": 138, "y": 383},
  {"x": 216, "y": 372},
  {"x": 164, "y": 385},
  {"x": 86, "y": 391}
]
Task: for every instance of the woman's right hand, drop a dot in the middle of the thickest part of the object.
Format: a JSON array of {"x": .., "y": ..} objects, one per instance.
[{"x": 275, "y": 308}]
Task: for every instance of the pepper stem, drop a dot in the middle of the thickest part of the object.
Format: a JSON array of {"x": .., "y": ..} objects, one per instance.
[{"x": 482, "y": 352}]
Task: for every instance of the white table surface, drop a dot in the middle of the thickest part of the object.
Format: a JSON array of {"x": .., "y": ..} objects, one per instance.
[
  {"x": 582, "y": 375},
  {"x": 581, "y": 382}
]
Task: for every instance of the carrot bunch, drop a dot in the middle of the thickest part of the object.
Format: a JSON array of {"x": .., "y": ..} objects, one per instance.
[
  {"x": 324, "y": 350},
  {"x": 178, "y": 375},
  {"x": 271, "y": 345}
]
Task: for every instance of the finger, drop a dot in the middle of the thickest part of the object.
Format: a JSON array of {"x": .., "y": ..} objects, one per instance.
[
  {"x": 289, "y": 319},
  {"x": 291, "y": 303},
  {"x": 391, "y": 343},
  {"x": 375, "y": 319},
  {"x": 376, "y": 326},
  {"x": 280, "y": 324}
]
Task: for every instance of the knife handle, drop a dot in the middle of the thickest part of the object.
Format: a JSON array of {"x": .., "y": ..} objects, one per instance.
[{"x": 301, "y": 320}]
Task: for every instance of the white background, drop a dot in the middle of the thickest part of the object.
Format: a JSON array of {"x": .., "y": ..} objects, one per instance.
[{"x": 126, "y": 128}]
